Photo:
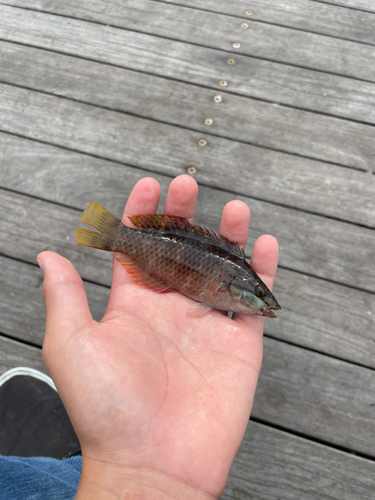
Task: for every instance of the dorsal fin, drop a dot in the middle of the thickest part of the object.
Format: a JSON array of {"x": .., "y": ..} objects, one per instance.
[{"x": 180, "y": 225}]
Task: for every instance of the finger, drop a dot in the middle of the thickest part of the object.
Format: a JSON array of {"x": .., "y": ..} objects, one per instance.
[
  {"x": 181, "y": 198},
  {"x": 144, "y": 199},
  {"x": 65, "y": 299},
  {"x": 235, "y": 222},
  {"x": 264, "y": 258},
  {"x": 264, "y": 262}
]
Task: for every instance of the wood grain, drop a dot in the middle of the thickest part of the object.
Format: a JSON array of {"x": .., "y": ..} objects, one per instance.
[
  {"x": 251, "y": 171},
  {"x": 253, "y": 77},
  {"x": 326, "y": 317},
  {"x": 299, "y": 48},
  {"x": 242, "y": 119},
  {"x": 316, "y": 395},
  {"x": 362, "y": 5},
  {"x": 273, "y": 465},
  {"x": 306, "y": 15},
  {"x": 13, "y": 354}
]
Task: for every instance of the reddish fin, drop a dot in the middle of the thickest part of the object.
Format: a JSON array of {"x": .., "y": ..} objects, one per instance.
[
  {"x": 140, "y": 274},
  {"x": 172, "y": 223},
  {"x": 198, "y": 309}
]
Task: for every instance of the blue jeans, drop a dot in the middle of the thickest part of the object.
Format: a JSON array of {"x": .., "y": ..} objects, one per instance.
[{"x": 39, "y": 478}]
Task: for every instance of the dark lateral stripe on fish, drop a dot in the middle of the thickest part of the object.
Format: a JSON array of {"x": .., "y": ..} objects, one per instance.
[{"x": 161, "y": 222}]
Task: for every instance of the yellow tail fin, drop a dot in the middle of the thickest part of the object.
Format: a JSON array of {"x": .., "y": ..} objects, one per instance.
[{"x": 99, "y": 218}]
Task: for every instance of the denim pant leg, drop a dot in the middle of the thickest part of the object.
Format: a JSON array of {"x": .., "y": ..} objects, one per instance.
[{"x": 39, "y": 478}]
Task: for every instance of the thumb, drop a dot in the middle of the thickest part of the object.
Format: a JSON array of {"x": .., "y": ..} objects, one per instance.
[{"x": 67, "y": 310}]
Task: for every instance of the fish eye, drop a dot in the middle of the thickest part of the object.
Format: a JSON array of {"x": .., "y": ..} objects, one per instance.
[{"x": 259, "y": 291}]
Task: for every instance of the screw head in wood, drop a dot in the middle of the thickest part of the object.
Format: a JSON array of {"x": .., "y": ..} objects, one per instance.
[
  {"x": 208, "y": 121},
  {"x": 202, "y": 142},
  {"x": 248, "y": 12},
  {"x": 236, "y": 45},
  {"x": 223, "y": 83},
  {"x": 218, "y": 98},
  {"x": 231, "y": 61},
  {"x": 244, "y": 25},
  {"x": 192, "y": 170}
]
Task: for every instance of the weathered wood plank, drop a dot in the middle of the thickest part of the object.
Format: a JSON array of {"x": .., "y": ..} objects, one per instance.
[
  {"x": 238, "y": 118},
  {"x": 326, "y": 317},
  {"x": 13, "y": 354},
  {"x": 333, "y": 319},
  {"x": 331, "y": 20},
  {"x": 302, "y": 14},
  {"x": 365, "y": 5},
  {"x": 316, "y": 395},
  {"x": 171, "y": 150},
  {"x": 252, "y": 77},
  {"x": 273, "y": 465},
  {"x": 302, "y": 470},
  {"x": 21, "y": 302},
  {"x": 324, "y": 53}
]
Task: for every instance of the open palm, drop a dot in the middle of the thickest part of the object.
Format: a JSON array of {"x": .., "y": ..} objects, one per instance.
[{"x": 159, "y": 400}]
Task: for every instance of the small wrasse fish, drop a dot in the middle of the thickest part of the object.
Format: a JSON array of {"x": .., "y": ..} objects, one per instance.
[{"x": 167, "y": 253}]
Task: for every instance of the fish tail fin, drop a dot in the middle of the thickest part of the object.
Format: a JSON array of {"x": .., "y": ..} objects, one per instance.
[
  {"x": 93, "y": 239},
  {"x": 99, "y": 218}
]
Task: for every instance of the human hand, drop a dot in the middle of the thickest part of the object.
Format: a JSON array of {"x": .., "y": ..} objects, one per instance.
[{"x": 159, "y": 400}]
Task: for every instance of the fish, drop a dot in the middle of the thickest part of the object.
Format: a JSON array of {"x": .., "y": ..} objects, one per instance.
[{"x": 167, "y": 253}]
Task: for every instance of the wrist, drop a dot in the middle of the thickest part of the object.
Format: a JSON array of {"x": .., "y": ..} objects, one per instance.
[{"x": 102, "y": 482}]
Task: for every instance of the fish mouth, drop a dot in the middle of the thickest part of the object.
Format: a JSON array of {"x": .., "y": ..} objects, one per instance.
[
  {"x": 268, "y": 310},
  {"x": 270, "y": 305}
]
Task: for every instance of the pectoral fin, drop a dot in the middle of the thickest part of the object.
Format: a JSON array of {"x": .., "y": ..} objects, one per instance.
[{"x": 198, "y": 309}]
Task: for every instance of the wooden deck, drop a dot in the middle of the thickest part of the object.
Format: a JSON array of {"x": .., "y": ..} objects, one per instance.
[{"x": 96, "y": 95}]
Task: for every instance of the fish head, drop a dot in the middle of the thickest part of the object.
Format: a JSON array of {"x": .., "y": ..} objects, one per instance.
[{"x": 253, "y": 298}]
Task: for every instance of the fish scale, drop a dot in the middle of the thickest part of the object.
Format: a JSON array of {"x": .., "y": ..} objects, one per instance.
[{"x": 179, "y": 265}]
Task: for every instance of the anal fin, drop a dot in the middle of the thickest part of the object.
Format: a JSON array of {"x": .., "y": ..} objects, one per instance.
[{"x": 143, "y": 276}]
